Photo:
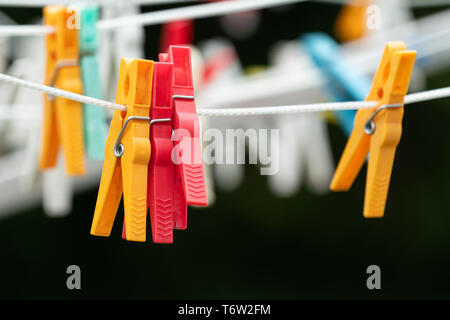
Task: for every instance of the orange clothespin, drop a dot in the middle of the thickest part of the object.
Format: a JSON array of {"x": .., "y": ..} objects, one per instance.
[
  {"x": 127, "y": 154},
  {"x": 377, "y": 131},
  {"x": 351, "y": 21},
  {"x": 63, "y": 118}
]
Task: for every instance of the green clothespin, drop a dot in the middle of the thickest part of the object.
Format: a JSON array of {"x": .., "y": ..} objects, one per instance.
[{"x": 95, "y": 130}]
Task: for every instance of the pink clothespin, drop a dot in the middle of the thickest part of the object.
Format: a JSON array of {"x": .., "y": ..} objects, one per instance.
[
  {"x": 188, "y": 153},
  {"x": 176, "y": 33}
]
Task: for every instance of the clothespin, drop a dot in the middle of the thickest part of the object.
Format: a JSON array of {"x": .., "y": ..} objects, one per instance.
[
  {"x": 8, "y": 95},
  {"x": 198, "y": 67},
  {"x": 240, "y": 25},
  {"x": 93, "y": 117},
  {"x": 127, "y": 154},
  {"x": 395, "y": 13},
  {"x": 55, "y": 185},
  {"x": 221, "y": 62},
  {"x": 222, "y": 67},
  {"x": 186, "y": 131},
  {"x": 5, "y": 46},
  {"x": 13, "y": 61},
  {"x": 62, "y": 121},
  {"x": 126, "y": 41},
  {"x": 176, "y": 33},
  {"x": 57, "y": 192},
  {"x": 351, "y": 21},
  {"x": 305, "y": 156},
  {"x": 165, "y": 195},
  {"x": 377, "y": 131},
  {"x": 345, "y": 83}
]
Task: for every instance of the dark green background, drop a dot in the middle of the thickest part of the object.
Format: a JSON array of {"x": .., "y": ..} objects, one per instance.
[{"x": 252, "y": 244}]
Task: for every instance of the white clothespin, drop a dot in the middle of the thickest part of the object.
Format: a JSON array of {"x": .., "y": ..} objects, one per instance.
[
  {"x": 16, "y": 132},
  {"x": 240, "y": 25},
  {"x": 15, "y": 167},
  {"x": 393, "y": 13},
  {"x": 127, "y": 41},
  {"x": 304, "y": 144},
  {"x": 57, "y": 191},
  {"x": 6, "y": 90},
  {"x": 23, "y": 133},
  {"x": 221, "y": 66},
  {"x": 5, "y": 42}
]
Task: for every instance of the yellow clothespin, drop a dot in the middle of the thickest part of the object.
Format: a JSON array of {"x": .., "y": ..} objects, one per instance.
[
  {"x": 377, "y": 131},
  {"x": 127, "y": 153},
  {"x": 62, "y": 117}
]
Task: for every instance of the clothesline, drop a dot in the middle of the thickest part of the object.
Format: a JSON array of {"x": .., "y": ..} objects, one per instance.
[
  {"x": 42, "y": 3},
  {"x": 157, "y": 17},
  {"x": 412, "y": 3},
  {"x": 235, "y": 112}
]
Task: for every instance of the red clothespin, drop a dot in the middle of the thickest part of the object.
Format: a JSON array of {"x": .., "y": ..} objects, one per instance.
[
  {"x": 187, "y": 145},
  {"x": 176, "y": 33},
  {"x": 161, "y": 170}
]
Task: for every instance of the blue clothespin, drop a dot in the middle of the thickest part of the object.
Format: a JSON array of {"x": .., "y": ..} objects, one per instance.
[
  {"x": 95, "y": 130},
  {"x": 345, "y": 83}
]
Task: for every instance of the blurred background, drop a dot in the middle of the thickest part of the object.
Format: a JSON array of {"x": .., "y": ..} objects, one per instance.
[{"x": 253, "y": 243}]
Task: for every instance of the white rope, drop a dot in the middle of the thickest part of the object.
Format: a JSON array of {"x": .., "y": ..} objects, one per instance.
[
  {"x": 154, "y": 2},
  {"x": 412, "y": 3},
  {"x": 427, "y": 95},
  {"x": 42, "y": 3},
  {"x": 62, "y": 93},
  {"x": 317, "y": 107},
  {"x": 191, "y": 12},
  {"x": 236, "y": 112},
  {"x": 30, "y": 3},
  {"x": 156, "y": 17},
  {"x": 272, "y": 110},
  {"x": 25, "y": 30}
]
